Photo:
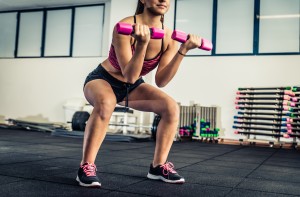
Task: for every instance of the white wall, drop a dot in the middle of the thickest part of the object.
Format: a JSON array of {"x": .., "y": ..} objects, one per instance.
[
  {"x": 215, "y": 80},
  {"x": 40, "y": 86}
]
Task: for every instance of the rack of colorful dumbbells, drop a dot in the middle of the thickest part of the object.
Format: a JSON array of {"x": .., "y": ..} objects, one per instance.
[
  {"x": 198, "y": 122},
  {"x": 272, "y": 112},
  {"x": 207, "y": 133}
]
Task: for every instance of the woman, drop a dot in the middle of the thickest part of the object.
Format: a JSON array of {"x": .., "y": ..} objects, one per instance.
[{"x": 119, "y": 79}]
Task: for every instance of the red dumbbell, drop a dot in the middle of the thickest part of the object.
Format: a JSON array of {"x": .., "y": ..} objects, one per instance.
[
  {"x": 127, "y": 29},
  {"x": 182, "y": 37}
]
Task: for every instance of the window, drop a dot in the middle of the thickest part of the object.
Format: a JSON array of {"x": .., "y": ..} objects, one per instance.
[
  {"x": 195, "y": 17},
  {"x": 30, "y": 34},
  {"x": 58, "y": 33},
  {"x": 242, "y": 27},
  {"x": 54, "y": 32},
  {"x": 279, "y": 26},
  {"x": 235, "y": 26},
  {"x": 88, "y": 31},
  {"x": 8, "y": 24}
]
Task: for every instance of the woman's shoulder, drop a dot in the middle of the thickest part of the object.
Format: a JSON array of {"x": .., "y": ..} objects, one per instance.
[{"x": 128, "y": 19}]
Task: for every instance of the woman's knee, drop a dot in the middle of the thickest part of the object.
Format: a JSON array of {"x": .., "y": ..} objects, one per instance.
[
  {"x": 171, "y": 110},
  {"x": 104, "y": 109}
]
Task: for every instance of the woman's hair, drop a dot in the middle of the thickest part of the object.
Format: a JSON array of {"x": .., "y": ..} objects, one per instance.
[{"x": 140, "y": 9}]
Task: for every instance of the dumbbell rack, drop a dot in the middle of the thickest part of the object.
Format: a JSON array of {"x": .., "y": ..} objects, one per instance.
[
  {"x": 191, "y": 116},
  {"x": 268, "y": 114}
]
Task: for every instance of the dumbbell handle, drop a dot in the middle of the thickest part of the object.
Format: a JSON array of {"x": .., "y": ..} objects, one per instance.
[
  {"x": 182, "y": 37},
  {"x": 127, "y": 29}
]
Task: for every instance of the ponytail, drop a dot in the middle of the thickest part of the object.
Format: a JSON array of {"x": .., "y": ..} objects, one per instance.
[{"x": 139, "y": 8}]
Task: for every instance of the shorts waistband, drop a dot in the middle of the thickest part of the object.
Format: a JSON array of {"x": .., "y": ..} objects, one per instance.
[{"x": 109, "y": 76}]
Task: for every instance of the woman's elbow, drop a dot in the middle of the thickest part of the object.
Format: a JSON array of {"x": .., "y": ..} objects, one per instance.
[
  {"x": 160, "y": 84},
  {"x": 131, "y": 79}
]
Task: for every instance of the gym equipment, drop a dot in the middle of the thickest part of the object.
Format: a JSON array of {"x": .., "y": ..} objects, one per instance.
[
  {"x": 259, "y": 128},
  {"x": 35, "y": 126},
  {"x": 289, "y": 126},
  {"x": 284, "y": 97},
  {"x": 278, "y": 108},
  {"x": 256, "y": 103},
  {"x": 189, "y": 130},
  {"x": 275, "y": 114},
  {"x": 296, "y": 89},
  {"x": 260, "y": 118},
  {"x": 207, "y": 133},
  {"x": 266, "y": 88},
  {"x": 127, "y": 29},
  {"x": 154, "y": 126},
  {"x": 182, "y": 37},
  {"x": 282, "y": 120},
  {"x": 189, "y": 121},
  {"x": 79, "y": 120},
  {"x": 264, "y": 134},
  {"x": 292, "y": 104},
  {"x": 259, "y": 123},
  {"x": 285, "y": 92}
]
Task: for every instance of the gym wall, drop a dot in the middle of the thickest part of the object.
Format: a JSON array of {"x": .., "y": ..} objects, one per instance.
[{"x": 39, "y": 87}]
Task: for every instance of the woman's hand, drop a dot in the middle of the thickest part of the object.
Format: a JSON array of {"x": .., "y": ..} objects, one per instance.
[
  {"x": 193, "y": 42},
  {"x": 141, "y": 33}
]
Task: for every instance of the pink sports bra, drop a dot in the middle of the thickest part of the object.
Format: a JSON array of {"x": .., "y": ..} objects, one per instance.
[{"x": 148, "y": 65}]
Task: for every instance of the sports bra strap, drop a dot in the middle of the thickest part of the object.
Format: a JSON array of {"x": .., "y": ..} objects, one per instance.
[{"x": 162, "y": 44}]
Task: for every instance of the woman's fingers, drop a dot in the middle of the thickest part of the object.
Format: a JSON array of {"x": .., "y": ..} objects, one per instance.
[
  {"x": 194, "y": 41},
  {"x": 141, "y": 33}
]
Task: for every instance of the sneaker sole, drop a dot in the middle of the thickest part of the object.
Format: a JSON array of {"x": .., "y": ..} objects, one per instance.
[
  {"x": 155, "y": 177},
  {"x": 93, "y": 184}
]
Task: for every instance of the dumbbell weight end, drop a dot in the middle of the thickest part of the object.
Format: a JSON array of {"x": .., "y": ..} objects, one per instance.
[{"x": 182, "y": 37}]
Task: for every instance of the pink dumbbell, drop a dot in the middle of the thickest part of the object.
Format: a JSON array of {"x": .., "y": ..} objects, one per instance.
[
  {"x": 182, "y": 37},
  {"x": 286, "y": 135},
  {"x": 127, "y": 29}
]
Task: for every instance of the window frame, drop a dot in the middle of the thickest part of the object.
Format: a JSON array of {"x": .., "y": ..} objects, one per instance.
[
  {"x": 43, "y": 36},
  {"x": 255, "y": 48}
]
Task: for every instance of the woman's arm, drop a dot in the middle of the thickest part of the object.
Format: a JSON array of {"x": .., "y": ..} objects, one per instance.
[
  {"x": 172, "y": 58},
  {"x": 131, "y": 65}
]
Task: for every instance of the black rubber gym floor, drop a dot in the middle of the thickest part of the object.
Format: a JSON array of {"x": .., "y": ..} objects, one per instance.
[{"x": 40, "y": 164}]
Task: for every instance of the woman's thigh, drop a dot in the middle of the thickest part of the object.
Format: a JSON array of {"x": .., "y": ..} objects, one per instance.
[
  {"x": 100, "y": 95},
  {"x": 151, "y": 99}
]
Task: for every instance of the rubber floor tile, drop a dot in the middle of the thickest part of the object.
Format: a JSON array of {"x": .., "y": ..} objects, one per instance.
[
  {"x": 210, "y": 179},
  {"x": 159, "y": 188},
  {"x": 251, "y": 193},
  {"x": 281, "y": 187},
  {"x": 32, "y": 188}
]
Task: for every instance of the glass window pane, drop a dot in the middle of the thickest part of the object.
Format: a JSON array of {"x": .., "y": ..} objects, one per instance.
[
  {"x": 30, "y": 34},
  {"x": 58, "y": 33},
  {"x": 88, "y": 31},
  {"x": 279, "y": 26},
  {"x": 235, "y": 26},
  {"x": 195, "y": 17},
  {"x": 8, "y": 24}
]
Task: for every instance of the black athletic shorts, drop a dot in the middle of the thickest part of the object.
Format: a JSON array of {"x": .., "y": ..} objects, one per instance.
[{"x": 119, "y": 87}]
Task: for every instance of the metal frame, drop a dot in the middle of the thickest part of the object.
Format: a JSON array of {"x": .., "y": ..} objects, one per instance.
[
  {"x": 255, "y": 34},
  {"x": 43, "y": 36}
]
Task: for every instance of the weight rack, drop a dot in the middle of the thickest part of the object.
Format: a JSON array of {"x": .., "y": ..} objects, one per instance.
[
  {"x": 191, "y": 116},
  {"x": 268, "y": 114}
]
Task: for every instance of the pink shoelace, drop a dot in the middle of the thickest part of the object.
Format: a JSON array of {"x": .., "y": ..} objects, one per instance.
[
  {"x": 167, "y": 168},
  {"x": 89, "y": 169}
]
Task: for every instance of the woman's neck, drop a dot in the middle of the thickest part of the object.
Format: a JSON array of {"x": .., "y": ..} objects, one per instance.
[{"x": 150, "y": 19}]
